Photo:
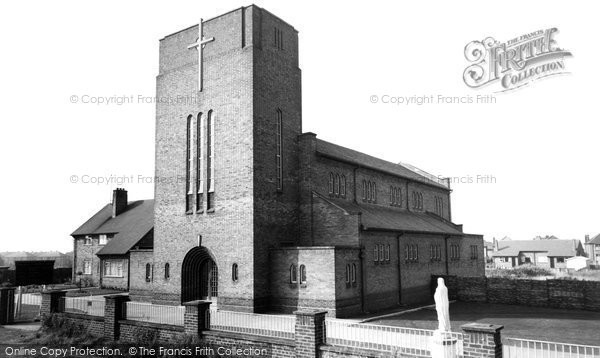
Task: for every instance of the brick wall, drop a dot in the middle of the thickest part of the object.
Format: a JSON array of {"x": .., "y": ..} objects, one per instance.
[
  {"x": 139, "y": 288},
  {"x": 318, "y": 292},
  {"x": 571, "y": 294}
]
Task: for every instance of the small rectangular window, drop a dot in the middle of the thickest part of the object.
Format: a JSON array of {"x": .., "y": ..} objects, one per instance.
[
  {"x": 87, "y": 267},
  {"x": 87, "y": 240},
  {"x": 376, "y": 253},
  {"x": 102, "y": 239}
]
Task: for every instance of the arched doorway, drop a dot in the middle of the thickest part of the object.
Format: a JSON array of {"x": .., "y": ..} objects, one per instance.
[{"x": 199, "y": 276}]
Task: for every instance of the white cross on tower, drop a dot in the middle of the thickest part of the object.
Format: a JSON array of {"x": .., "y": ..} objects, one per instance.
[{"x": 199, "y": 45}]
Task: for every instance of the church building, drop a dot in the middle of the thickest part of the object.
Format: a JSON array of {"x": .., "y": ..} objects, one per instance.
[{"x": 257, "y": 215}]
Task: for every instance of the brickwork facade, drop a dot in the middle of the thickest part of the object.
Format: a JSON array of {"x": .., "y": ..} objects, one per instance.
[{"x": 240, "y": 180}]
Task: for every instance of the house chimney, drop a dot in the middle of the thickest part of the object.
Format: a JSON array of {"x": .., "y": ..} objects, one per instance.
[
  {"x": 119, "y": 202},
  {"x": 587, "y": 238},
  {"x": 495, "y": 245}
]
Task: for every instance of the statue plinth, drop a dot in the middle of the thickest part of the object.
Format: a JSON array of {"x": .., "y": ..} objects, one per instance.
[{"x": 443, "y": 345}]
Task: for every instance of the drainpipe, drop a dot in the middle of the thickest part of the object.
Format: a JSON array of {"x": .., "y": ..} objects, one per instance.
[{"x": 399, "y": 272}]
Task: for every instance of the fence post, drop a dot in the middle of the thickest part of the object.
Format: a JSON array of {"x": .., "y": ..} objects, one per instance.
[
  {"x": 51, "y": 302},
  {"x": 195, "y": 319},
  {"x": 310, "y": 333},
  {"x": 7, "y": 305},
  {"x": 482, "y": 340},
  {"x": 113, "y": 312}
]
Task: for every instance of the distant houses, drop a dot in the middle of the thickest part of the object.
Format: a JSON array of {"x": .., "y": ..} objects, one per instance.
[
  {"x": 592, "y": 248},
  {"x": 35, "y": 268},
  {"x": 549, "y": 253}
]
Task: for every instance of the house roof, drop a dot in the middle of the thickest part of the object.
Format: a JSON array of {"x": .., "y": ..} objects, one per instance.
[
  {"x": 557, "y": 248},
  {"x": 380, "y": 218},
  {"x": 364, "y": 160},
  {"x": 128, "y": 228},
  {"x": 595, "y": 240}
]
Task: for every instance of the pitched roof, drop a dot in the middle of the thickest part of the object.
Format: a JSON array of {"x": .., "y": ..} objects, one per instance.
[
  {"x": 128, "y": 227},
  {"x": 595, "y": 240},
  {"x": 364, "y": 160},
  {"x": 560, "y": 248},
  {"x": 381, "y": 218}
]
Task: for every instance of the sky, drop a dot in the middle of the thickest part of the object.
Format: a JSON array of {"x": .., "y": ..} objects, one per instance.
[{"x": 537, "y": 146}]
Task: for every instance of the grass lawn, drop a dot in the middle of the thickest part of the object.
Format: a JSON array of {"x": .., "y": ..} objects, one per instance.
[
  {"x": 537, "y": 323},
  {"x": 14, "y": 336},
  {"x": 92, "y": 291}
]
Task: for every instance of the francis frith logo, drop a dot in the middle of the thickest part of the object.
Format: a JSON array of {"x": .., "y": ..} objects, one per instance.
[{"x": 514, "y": 63}]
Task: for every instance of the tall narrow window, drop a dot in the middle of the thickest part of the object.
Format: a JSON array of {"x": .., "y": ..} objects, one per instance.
[
  {"x": 189, "y": 184},
  {"x": 167, "y": 271},
  {"x": 148, "y": 272},
  {"x": 374, "y": 195},
  {"x": 376, "y": 253},
  {"x": 293, "y": 274},
  {"x": 302, "y": 274},
  {"x": 353, "y": 273},
  {"x": 343, "y": 186},
  {"x": 199, "y": 181},
  {"x": 210, "y": 157},
  {"x": 336, "y": 185},
  {"x": 348, "y": 273},
  {"x": 331, "y": 184},
  {"x": 279, "y": 150},
  {"x": 234, "y": 272},
  {"x": 364, "y": 190}
]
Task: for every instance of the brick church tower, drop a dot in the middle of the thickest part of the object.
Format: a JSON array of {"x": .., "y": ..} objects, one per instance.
[{"x": 227, "y": 122}]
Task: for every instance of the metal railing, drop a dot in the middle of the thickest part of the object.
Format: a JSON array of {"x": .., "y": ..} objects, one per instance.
[
  {"x": 280, "y": 326},
  {"x": 524, "y": 348},
  {"x": 397, "y": 340},
  {"x": 27, "y": 305},
  {"x": 147, "y": 312},
  {"x": 93, "y": 306}
]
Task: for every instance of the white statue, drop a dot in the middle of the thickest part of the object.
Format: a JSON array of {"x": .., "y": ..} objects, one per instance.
[{"x": 442, "y": 306}]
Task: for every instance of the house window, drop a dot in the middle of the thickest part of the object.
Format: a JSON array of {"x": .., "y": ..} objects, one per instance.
[
  {"x": 560, "y": 259},
  {"x": 113, "y": 268},
  {"x": 353, "y": 273},
  {"x": 343, "y": 186},
  {"x": 189, "y": 162},
  {"x": 279, "y": 155},
  {"x": 87, "y": 267},
  {"x": 87, "y": 240},
  {"x": 167, "y": 271},
  {"x": 102, "y": 239},
  {"x": 199, "y": 181},
  {"x": 474, "y": 252},
  {"x": 336, "y": 185},
  {"x": 148, "y": 272},
  {"x": 376, "y": 253},
  {"x": 293, "y": 274},
  {"x": 234, "y": 272},
  {"x": 302, "y": 274},
  {"x": 387, "y": 253},
  {"x": 381, "y": 253},
  {"x": 435, "y": 252}
]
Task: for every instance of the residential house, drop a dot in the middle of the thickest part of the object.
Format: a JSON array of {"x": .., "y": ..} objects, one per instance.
[
  {"x": 106, "y": 244},
  {"x": 542, "y": 253}
]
